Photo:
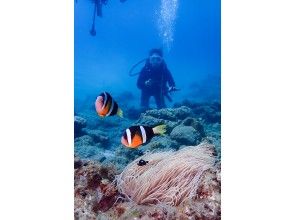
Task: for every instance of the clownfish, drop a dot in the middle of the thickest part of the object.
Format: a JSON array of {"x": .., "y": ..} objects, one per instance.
[
  {"x": 142, "y": 162},
  {"x": 135, "y": 136},
  {"x": 106, "y": 106}
]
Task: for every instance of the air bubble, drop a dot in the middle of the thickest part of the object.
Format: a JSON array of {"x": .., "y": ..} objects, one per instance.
[{"x": 166, "y": 21}]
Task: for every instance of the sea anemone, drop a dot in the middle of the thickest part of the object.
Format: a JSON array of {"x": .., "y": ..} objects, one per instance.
[{"x": 170, "y": 178}]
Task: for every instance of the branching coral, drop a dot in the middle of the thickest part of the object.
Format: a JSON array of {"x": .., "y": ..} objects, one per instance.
[{"x": 169, "y": 177}]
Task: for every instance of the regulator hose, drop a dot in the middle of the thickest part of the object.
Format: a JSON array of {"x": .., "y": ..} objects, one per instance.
[{"x": 134, "y": 66}]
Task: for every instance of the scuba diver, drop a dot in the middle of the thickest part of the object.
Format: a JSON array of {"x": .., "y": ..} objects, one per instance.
[
  {"x": 98, "y": 12},
  {"x": 153, "y": 80},
  {"x": 100, "y": 3}
]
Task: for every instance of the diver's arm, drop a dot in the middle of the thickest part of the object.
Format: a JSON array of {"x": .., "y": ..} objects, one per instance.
[{"x": 141, "y": 80}]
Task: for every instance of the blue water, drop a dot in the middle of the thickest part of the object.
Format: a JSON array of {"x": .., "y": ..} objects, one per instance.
[{"x": 187, "y": 30}]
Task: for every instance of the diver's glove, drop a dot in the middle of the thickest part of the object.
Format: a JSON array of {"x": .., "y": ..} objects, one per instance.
[
  {"x": 173, "y": 89},
  {"x": 148, "y": 82}
]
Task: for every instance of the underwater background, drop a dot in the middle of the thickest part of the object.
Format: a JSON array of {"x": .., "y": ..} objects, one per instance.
[
  {"x": 126, "y": 33},
  {"x": 188, "y": 32}
]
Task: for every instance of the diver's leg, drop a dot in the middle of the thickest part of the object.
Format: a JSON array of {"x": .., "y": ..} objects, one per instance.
[
  {"x": 159, "y": 99},
  {"x": 99, "y": 7},
  {"x": 145, "y": 97}
]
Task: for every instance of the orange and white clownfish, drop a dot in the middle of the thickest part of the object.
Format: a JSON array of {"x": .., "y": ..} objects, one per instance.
[
  {"x": 106, "y": 106},
  {"x": 135, "y": 136}
]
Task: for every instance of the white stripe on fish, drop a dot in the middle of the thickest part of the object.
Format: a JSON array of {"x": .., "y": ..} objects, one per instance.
[
  {"x": 104, "y": 101},
  {"x": 129, "y": 136},
  {"x": 143, "y": 132},
  {"x": 111, "y": 108}
]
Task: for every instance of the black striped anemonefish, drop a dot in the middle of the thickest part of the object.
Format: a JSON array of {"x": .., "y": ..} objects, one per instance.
[
  {"x": 142, "y": 162},
  {"x": 135, "y": 136},
  {"x": 106, "y": 106}
]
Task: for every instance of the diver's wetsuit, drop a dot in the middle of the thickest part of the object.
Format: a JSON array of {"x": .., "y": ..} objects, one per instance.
[{"x": 159, "y": 78}]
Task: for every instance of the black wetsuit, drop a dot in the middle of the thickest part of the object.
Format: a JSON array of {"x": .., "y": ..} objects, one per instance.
[{"x": 158, "y": 89}]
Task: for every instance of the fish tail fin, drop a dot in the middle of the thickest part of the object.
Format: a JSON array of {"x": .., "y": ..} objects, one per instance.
[
  {"x": 160, "y": 129},
  {"x": 120, "y": 113},
  {"x": 102, "y": 116}
]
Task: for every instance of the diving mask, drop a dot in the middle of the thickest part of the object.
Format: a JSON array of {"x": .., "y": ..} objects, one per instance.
[{"x": 155, "y": 59}]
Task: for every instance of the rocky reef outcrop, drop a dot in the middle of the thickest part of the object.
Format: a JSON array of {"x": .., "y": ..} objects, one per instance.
[
  {"x": 186, "y": 135},
  {"x": 79, "y": 124},
  {"x": 171, "y": 117},
  {"x": 209, "y": 112},
  {"x": 187, "y": 124},
  {"x": 94, "y": 191}
]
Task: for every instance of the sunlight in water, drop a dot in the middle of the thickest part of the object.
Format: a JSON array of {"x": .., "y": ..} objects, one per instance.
[{"x": 166, "y": 21}]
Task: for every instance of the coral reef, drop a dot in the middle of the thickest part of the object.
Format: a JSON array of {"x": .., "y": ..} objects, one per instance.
[
  {"x": 214, "y": 137},
  {"x": 79, "y": 124},
  {"x": 185, "y": 126},
  {"x": 195, "y": 124},
  {"x": 124, "y": 155},
  {"x": 94, "y": 191},
  {"x": 161, "y": 142},
  {"x": 98, "y": 136},
  {"x": 171, "y": 117},
  {"x": 186, "y": 135},
  {"x": 86, "y": 147},
  {"x": 209, "y": 112},
  {"x": 192, "y": 173},
  {"x": 171, "y": 114},
  {"x": 184, "y": 184}
]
